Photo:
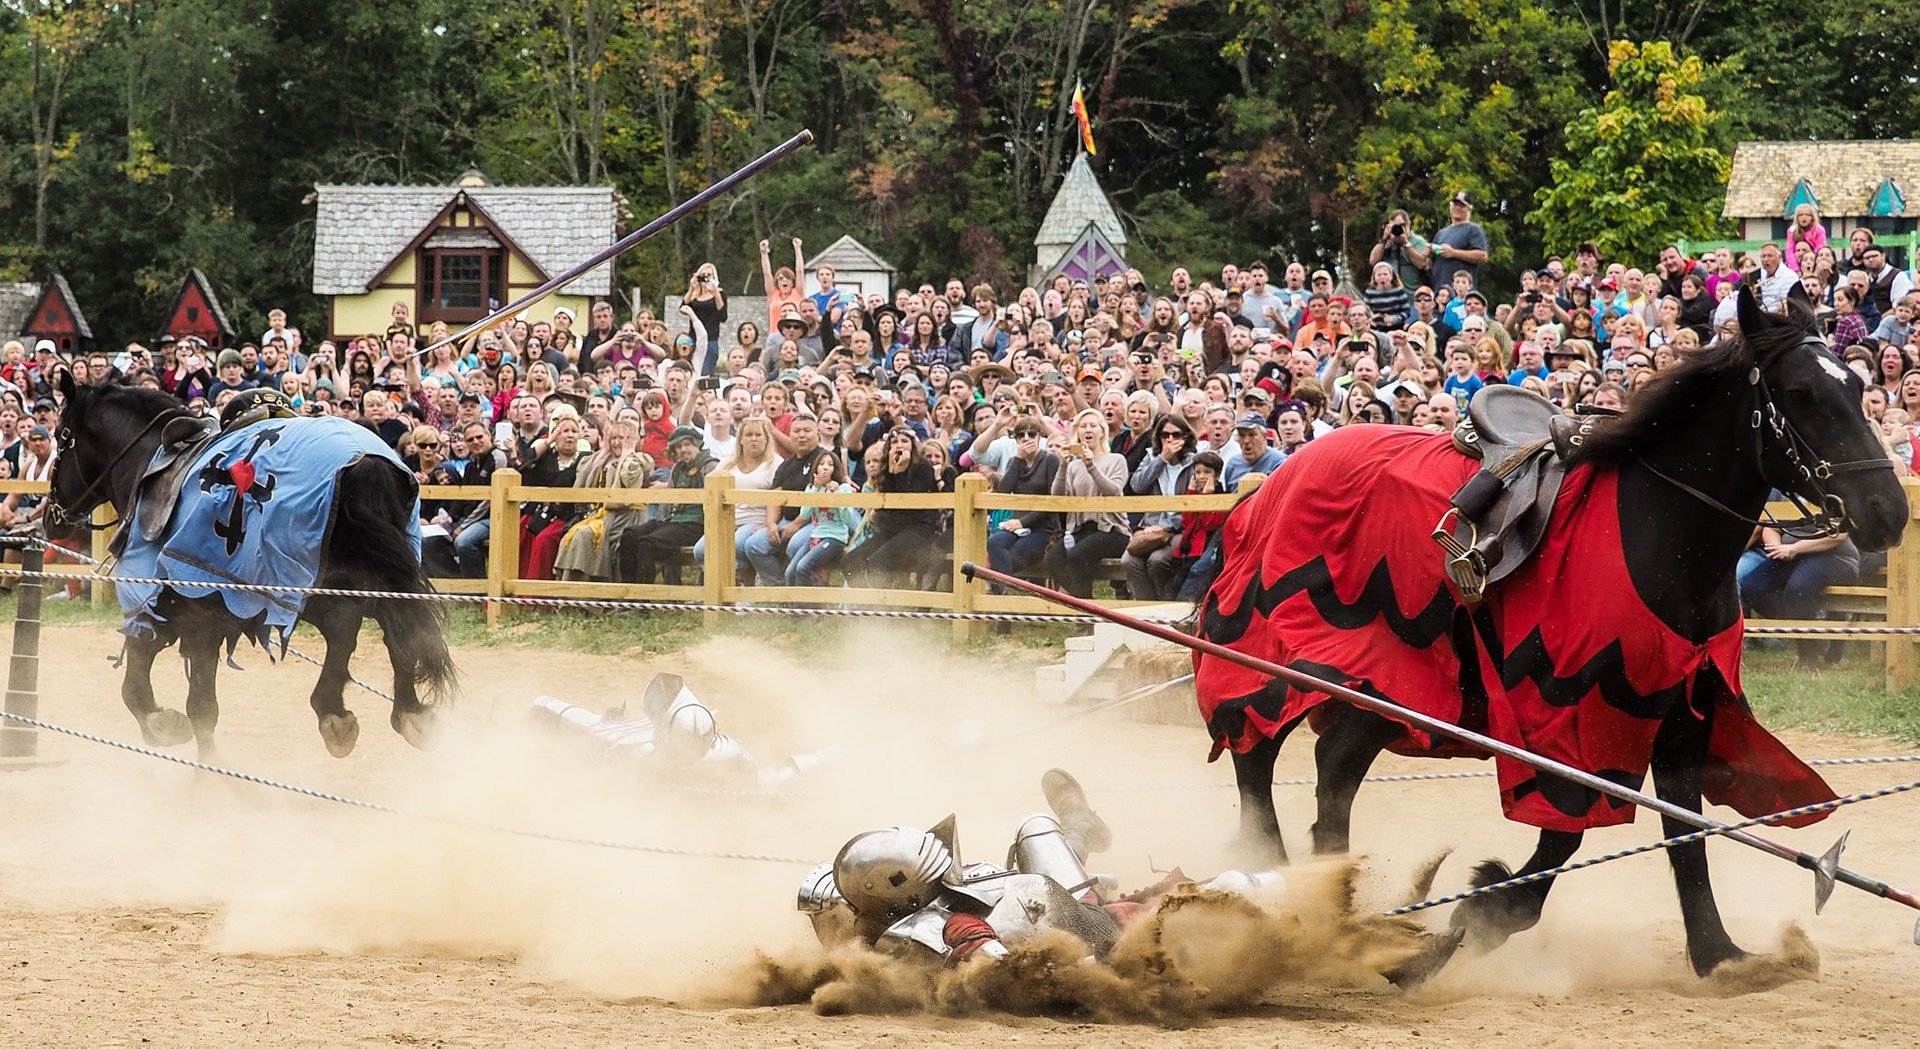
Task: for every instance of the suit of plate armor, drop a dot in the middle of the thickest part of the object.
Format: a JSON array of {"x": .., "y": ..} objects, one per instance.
[
  {"x": 673, "y": 730},
  {"x": 908, "y": 889}
]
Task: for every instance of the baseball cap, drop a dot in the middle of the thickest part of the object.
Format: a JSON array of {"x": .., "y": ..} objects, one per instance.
[
  {"x": 1322, "y": 275},
  {"x": 558, "y": 310},
  {"x": 44, "y": 404},
  {"x": 39, "y": 431},
  {"x": 1460, "y": 197},
  {"x": 1423, "y": 292},
  {"x": 45, "y": 346},
  {"x": 1477, "y": 294},
  {"x": 1252, "y": 421},
  {"x": 1257, "y": 394}
]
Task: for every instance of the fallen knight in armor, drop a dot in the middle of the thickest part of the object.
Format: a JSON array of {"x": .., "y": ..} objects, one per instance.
[{"x": 907, "y": 890}]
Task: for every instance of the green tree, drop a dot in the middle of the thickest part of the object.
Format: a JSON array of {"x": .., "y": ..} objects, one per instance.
[{"x": 1645, "y": 166}]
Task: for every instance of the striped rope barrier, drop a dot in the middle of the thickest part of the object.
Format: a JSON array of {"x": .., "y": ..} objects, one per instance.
[{"x": 394, "y": 810}]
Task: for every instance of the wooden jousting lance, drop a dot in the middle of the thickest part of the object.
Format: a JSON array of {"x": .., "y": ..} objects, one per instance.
[
  {"x": 628, "y": 242},
  {"x": 1826, "y": 867}
]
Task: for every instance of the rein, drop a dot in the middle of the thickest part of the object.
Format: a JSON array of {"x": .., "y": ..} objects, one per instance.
[
  {"x": 62, "y": 514},
  {"x": 1830, "y": 518}
]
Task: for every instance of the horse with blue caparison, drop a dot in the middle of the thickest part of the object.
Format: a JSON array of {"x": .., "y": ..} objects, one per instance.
[{"x": 268, "y": 501}]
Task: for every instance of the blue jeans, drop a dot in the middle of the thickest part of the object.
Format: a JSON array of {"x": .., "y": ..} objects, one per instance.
[
  {"x": 740, "y": 563},
  {"x": 813, "y": 561},
  {"x": 470, "y": 549},
  {"x": 1790, "y": 589},
  {"x": 1012, "y": 554},
  {"x": 713, "y": 357},
  {"x": 770, "y": 565}
]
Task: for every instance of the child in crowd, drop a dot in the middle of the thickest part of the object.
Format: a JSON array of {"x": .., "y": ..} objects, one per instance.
[
  {"x": 1461, "y": 381},
  {"x": 832, "y": 526},
  {"x": 1198, "y": 527}
]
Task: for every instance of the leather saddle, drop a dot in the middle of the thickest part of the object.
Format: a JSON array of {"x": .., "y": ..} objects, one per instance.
[
  {"x": 1499, "y": 516},
  {"x": 158, "y": 493}
]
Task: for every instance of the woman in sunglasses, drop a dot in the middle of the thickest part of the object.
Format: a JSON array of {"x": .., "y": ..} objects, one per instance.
[
  {"x": 898, "y": 542},
  {"x": 1149, "y": 557}
]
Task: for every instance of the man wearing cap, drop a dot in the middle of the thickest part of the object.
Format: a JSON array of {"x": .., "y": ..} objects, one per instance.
[
  {"x": 1406, "y": 395},
  {"x": 1251, "y": 451},
  {"x": 1461, "y": 246},
  {"x": 793, "y": 330},
  {"x": 646, "y": 547}
]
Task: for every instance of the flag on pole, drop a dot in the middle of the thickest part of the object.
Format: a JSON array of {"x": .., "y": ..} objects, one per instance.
[{"x": 1086, "y": 122}]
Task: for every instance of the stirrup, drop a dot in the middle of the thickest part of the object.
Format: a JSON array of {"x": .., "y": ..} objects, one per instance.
[{"x": 1466, "y": 565}]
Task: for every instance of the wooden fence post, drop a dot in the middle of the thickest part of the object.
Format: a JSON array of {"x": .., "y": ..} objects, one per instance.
[
  {"x": 503, "y": 542},
  {"x": 101, "y": 589},
  {"x": 717, "y": 574},
  {"x": 969, "y": 544},
  {"x": 1903, "y": 599}
]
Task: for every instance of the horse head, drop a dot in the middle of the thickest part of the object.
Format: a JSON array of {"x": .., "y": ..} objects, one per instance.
[
  {"x": 103, "y": 429},
  {"x": 1815, "y": 441}
]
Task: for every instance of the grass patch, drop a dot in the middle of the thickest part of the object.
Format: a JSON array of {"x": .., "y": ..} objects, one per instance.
[{"x": 1849, "y": 699}]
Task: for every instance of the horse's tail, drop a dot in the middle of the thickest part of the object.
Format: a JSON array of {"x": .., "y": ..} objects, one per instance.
[{"x": 375, "y": 504}]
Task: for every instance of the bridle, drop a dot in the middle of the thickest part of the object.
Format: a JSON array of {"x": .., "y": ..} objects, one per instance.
[
  {"x": 1810, "y": 469},
  {"x": 78, "y": 514}
]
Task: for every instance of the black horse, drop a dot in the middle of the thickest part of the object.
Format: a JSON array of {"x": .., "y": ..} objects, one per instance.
[
  {"x": 1693, "y": 460},
  {"x": 107, "y": 437}
]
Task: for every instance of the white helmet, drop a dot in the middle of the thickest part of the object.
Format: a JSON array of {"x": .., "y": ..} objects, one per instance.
[{"x": 891, "y": 873}]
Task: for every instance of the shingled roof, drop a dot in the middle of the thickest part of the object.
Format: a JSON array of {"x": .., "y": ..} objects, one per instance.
[
  {"x": 359, "y": 229},
  {"x": 16, "y": 301},
  {"x": 850, "y": 255},
  {"x": 1080, "y": 201},
  {"x": 1843, "y": 175}
]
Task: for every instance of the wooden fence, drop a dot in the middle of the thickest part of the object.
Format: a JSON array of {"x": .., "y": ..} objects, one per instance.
[{"x": 1893, "y": 602}]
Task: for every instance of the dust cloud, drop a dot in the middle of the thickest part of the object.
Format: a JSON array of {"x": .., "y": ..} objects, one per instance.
[
  {"x": 1198, "y": 954},
  {"x": 922, "y": 731}
]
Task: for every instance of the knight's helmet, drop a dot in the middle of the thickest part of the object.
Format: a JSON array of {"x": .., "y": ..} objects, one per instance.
[
  {"x": 252, "y": 406},
  {"x": 889, "y": 874},
  {"x": 683, "y": 727}
]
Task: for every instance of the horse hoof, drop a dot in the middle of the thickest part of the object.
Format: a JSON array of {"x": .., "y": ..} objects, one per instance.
[
  {"x": 418, "y": 727},
  {"x": 166, "y": 728},
  {"x": 340, "y": 732},
  {"x": 1436, "y": 949}
]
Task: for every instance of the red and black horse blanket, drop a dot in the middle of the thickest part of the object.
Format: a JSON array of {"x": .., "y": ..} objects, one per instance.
[{"x": 1330, "y": 569}]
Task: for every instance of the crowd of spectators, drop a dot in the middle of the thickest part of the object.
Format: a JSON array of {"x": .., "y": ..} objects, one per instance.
[{"x": 1094, "y": 387}]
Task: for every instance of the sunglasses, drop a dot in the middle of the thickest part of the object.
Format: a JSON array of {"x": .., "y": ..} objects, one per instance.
[
  {"x": 1172, "y": 434},
  {"x": 426, "y": 444}
]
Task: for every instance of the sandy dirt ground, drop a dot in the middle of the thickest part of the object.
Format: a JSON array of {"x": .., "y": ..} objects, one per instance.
[{"x": 145, "y": 903}]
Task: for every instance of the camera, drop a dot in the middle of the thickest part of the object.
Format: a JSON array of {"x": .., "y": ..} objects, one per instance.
[
  {"x": 710, "y": 382},
  {"x": 1398, "y": 229}
]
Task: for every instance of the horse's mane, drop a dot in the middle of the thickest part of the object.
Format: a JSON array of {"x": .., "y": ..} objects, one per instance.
[
  {"x": 1670, "y": 399},
  {"x": 136, "y": 400}
]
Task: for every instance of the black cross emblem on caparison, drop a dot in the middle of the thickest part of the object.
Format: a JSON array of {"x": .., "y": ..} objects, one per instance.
[{"x": 239, "y": 474}]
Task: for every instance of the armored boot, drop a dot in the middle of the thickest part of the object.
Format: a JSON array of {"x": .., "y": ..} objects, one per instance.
[{"x": 1085, "y": 830}]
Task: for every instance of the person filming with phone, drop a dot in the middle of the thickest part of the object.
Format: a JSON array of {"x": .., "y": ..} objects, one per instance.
[{"x": 1406, "y": 251}]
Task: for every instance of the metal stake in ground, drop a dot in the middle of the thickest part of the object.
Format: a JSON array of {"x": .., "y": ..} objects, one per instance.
[
  {"x": 1826, "y": 867},
  {"x": 20, "y": 743}
]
